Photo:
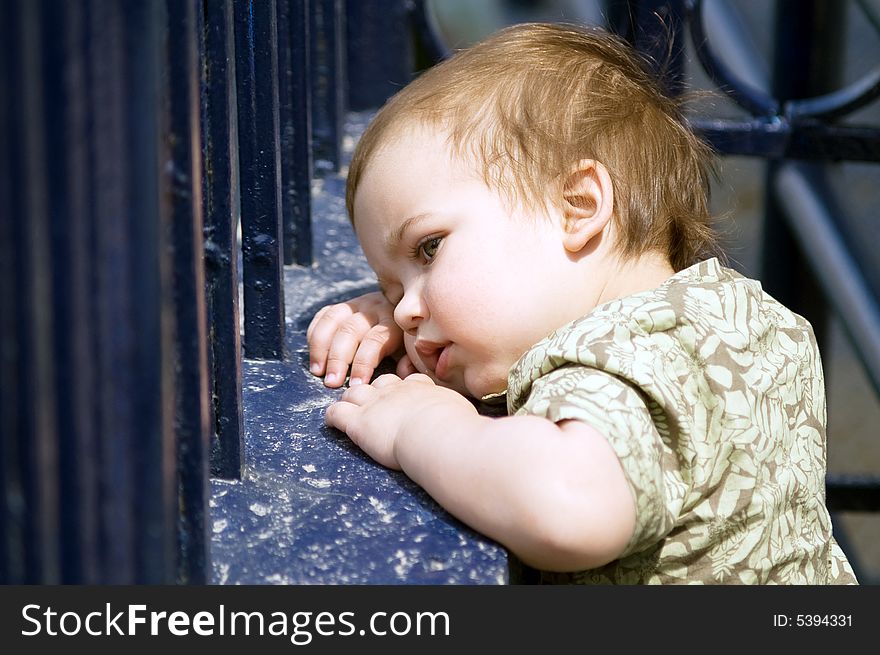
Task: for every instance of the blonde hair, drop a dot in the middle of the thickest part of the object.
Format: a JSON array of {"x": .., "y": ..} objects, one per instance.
[{"x": 533, "y": 99}]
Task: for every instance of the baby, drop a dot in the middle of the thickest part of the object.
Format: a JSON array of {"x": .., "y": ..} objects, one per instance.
[{"x": 536, "y": 212}]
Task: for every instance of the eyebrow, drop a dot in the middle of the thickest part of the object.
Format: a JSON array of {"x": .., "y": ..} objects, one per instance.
[{"x": 394, "y": 239}]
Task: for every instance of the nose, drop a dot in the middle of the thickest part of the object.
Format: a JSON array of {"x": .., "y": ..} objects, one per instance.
[{"x": 411, "y": 310}]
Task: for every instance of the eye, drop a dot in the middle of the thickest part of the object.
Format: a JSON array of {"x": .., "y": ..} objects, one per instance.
[{"x": 429, "y": 247}]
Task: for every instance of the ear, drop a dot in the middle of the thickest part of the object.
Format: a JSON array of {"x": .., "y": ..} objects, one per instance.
[{"x": 587, "y": 203}]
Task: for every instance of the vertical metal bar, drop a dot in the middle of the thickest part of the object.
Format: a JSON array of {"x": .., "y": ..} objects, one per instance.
[
  {"x": 66, "y": 131},
  {"x": 9, "y": 531},
  {"x": 134, "y": 315},
  {"x": 32, "y": 450},
  {"x": 656, "y": 29},
  {"x": 114, "y": 336},
  {"x": 379, "y": 51},
  {"x": 428, "y": 45},
  {"x": 295, "y": 123},
  {"x": 221, "y": 208},
  {"x": 811, "y": 207},
  {"x": 256, "y": 38},
  {"x": 807, "y": 61},
  {"x": 183, "y": 182},
  {"x": 155, "y": 505},
  {"x": 328, "y": 83}
]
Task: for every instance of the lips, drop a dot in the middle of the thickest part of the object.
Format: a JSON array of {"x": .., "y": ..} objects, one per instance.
[
  {"x": 442, "y": 364},
  {"x": 435, "y": 356}
]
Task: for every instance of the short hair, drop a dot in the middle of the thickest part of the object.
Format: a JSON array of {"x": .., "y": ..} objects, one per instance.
[{"x": 535, "y": 98}]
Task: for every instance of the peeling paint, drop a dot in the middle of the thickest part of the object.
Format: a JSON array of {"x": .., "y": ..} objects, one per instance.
[
  {"x": 323, "y": 483},
  {"x": 259, "y": 509}
]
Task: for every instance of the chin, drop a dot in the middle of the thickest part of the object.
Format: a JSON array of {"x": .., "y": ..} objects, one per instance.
[
  {"x": 455, "y": 385},
  {"x": 479, "y": 389}
]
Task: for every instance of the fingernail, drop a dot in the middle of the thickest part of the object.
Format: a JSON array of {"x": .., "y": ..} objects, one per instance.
[
  {"x": 331, "y": 378},
  {"x": 354, "y": 382},
  {"x": 315, "y": 368}
]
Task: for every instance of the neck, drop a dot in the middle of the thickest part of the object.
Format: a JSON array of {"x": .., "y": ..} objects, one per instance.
[{"x": 628, "y": 276}]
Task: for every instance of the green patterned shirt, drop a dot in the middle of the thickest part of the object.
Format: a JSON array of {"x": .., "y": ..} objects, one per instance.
[{"x": 712, "y": 395}]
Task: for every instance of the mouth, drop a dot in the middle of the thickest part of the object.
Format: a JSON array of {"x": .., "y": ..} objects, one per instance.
[
  {"x": 435, "y": 357},
  {"x": 442, "y": 366}
]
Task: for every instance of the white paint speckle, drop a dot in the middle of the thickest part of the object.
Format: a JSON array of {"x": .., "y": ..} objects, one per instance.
[
  {"x": 309, "y": 468},
  {"x": 384, "y": 515},
  {"x": 322, "y": 483},
  {"x": 220, "y": 525},
  {"x": 404, "y": 564},
  {"x": 259, "y": 509}
]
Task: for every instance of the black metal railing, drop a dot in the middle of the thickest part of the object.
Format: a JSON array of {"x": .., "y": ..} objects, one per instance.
[{"x": 136, "y": 139}]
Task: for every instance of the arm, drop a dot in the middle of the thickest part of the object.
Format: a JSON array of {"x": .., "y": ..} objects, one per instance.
[
  {"x": 554, "y": 494},
  {"x": 359, "y": 332}
]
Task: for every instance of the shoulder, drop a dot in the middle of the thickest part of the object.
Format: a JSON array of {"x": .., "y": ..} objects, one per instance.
[{"x": 707, "y": 321}]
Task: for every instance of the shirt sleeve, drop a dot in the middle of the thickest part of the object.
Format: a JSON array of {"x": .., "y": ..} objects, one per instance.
[{"x": 614, "y": 408}]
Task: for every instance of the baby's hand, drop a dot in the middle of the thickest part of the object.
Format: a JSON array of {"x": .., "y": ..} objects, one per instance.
[
  {"x": 376, "y": 416},
  {"x": 359, "y": 332}
]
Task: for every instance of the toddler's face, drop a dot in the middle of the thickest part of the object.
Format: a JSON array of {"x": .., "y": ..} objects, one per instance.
[{"x": 474, "y": 283}]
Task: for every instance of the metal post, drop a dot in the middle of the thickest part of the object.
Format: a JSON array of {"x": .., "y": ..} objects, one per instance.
[
  {"x": 379, "y": 51},
  {"x": 221, "y": 208},
  {"x": 656, "y": 29},
  {"x": 148, "y": 297},
  {"x": 65, "y": 83},
  {"x": 29, "y": 449},
  {"x": 133, "y": 314},
  {"x": 183, "y": 188},
  {"x": 808, "y": 51},
  {"x": 296, "y": 130},
  {"x": 327, "y": 79},
  {"x": 256, "y": 39}
]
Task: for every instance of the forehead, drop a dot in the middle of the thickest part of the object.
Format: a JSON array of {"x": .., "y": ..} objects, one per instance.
[
  {"x": 405, "y": 147},
  {"x": 412, "y": 163}
]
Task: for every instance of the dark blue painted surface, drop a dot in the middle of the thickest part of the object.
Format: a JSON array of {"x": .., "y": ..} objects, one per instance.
[
  {"x": 379, "y": 51},
  {"x": 327, "y": 79},
  {"x": 220, "y": 197},
  {"x": 310, "y": 507},
  {"x": 27, "y": 444},
  {"x": 183, "y": 177},
  {"x": 64, "y": 82},
  {"x": 295, "y": 121},
  {"x": 256, "y": 70}
]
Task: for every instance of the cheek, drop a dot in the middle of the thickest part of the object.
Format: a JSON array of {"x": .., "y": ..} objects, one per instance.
[
  {"x": 408, "y": 346},
  {"x": 459, "y": 290}
]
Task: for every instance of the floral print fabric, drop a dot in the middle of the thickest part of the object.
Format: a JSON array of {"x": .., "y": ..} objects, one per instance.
[{"x": 712, "y": 395}]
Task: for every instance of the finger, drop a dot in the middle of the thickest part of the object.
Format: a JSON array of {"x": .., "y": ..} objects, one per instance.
[
  {"x": 345, "y": 343},
  {"x": 405, "y": 367},
  {"x": 315, "y": 320},
  {"x": 340, "y": 415},
  {"x": 378, "y": 343},
  {"x": 420, "y": 377},
  {"x": 385, "y": 380},
  {"x": 359, "y": 395},
  {"x": 321, "y": 332}
]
